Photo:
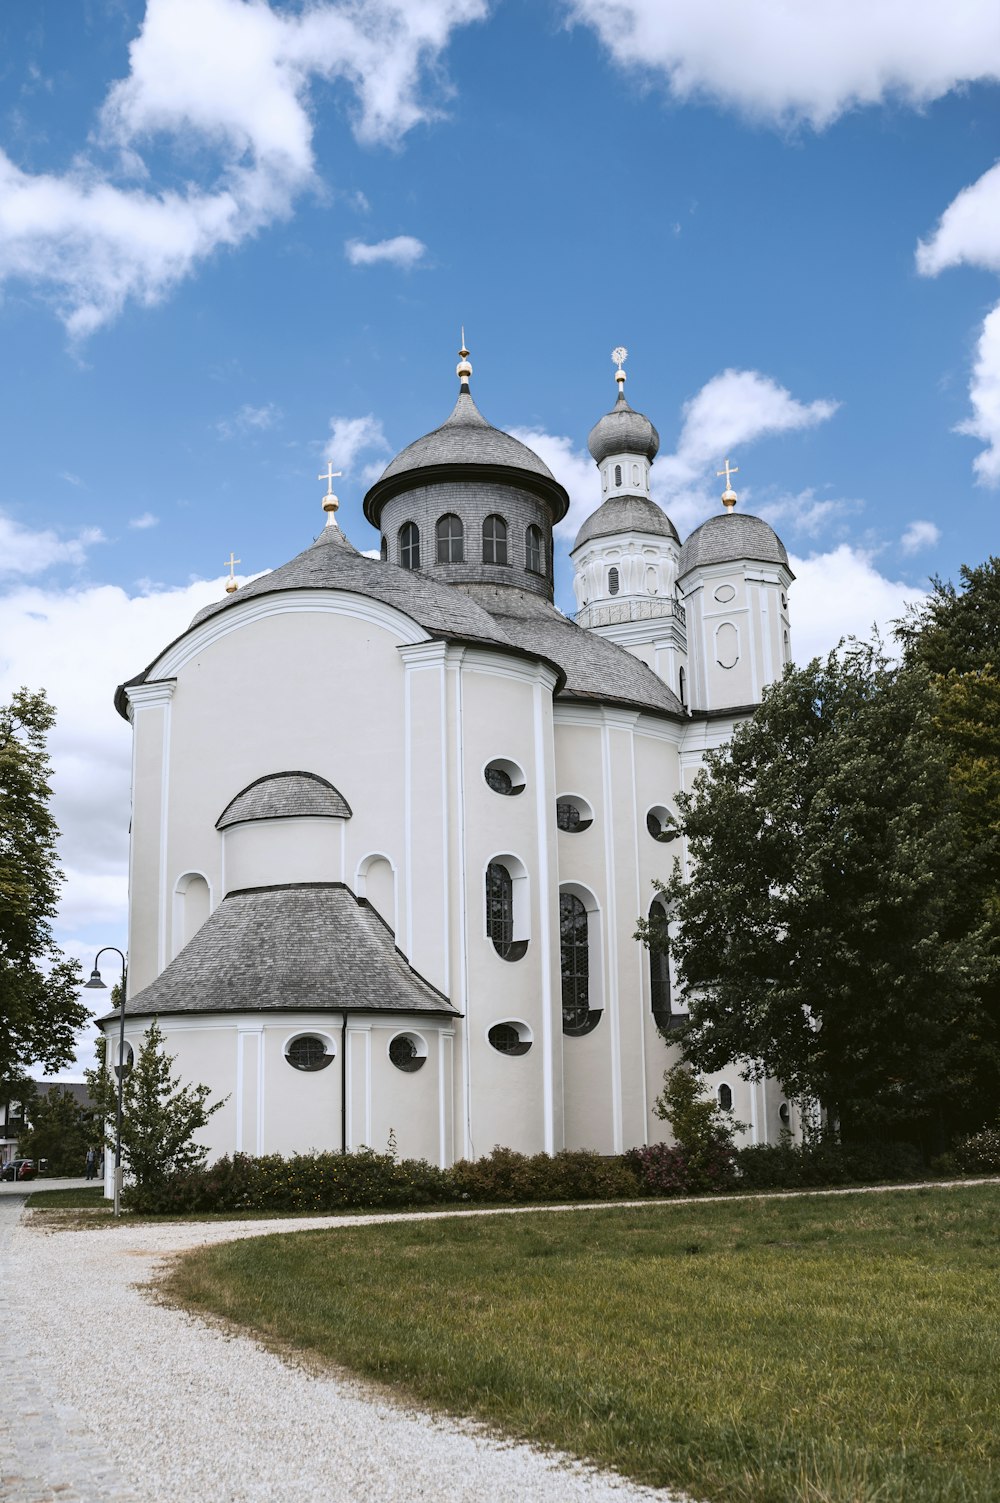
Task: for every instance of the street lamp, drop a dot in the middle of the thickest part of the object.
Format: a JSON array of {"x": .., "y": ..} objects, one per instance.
[{"x": 95, "y": 983}]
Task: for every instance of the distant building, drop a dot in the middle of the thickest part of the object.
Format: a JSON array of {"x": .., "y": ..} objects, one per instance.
[{"x": 394, "y": 819}]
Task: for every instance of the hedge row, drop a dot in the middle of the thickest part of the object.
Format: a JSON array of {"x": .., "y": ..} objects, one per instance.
[{"x": 321, "y": 1182}]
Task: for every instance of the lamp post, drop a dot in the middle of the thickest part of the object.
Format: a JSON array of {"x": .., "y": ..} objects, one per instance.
[{"x": 121, "y": 1069}]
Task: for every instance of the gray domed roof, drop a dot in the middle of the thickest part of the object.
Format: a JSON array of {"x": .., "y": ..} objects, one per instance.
[
  {"x": 732, "y": 535},
  {"x": 466, "y": 447},
  {"x": 285, "y": 795},
  {"x": 623, "y": 431},
  {"x": 626, "y": 514}
]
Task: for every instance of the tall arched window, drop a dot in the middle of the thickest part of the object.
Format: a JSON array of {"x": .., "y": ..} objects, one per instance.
[
  {"x": 495, "y": 541},
  {"x": 500, "y": 908},
  {"x": 409, "y": 545},
  {"x": 612, "y": 581},
  {"x": 659, "y": 968},
  {"x": 574, "y": 948},
  {"x": 533, "y": 550},
  {"x": 450, "y": 539},
  {"x": 618, "y": 474},
  {"x": 682, "y": 685},
  {"x": 383, "y": 551}
]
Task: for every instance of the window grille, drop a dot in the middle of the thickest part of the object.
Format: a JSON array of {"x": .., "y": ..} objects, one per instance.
[
  {"x": 500, "y": 908},
  {"x": 612, "y": 581},
  {"x": 575, "y": 958}
]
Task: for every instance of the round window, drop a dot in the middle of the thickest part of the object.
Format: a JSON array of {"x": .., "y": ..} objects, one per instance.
[
  {"x": 407, "y": 1052},
  {"x": 784, "y": 1114},
  {"x": 127, "y": 1060},
  {"x": 573, "y": 814},
  {"x": 661, "y": 824},
  {"x": 510, "y": 1038},
  {"x": 504, "y": 777},
  {"x": 308, "y": 1052}
]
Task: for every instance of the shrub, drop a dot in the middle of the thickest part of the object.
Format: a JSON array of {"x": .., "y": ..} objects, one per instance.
[
  {"x": 980, "y": 1154},
  {"x": 509, "y": 1178},
  {"x": 823, "y": 1160},
  {"x": 660, "y": 1169},
  {"x": 703, "y": 1132}
]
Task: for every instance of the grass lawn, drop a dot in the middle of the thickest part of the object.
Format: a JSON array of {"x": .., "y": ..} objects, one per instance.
[
  {"x": 834, "y": 1350},
  {"x": 92, "y": 1197}
]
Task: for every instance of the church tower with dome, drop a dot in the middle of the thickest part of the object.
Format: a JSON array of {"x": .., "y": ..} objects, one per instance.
[{"x": 394, "y": 818}]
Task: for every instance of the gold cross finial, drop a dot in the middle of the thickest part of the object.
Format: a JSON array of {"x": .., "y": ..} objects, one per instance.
[
  {"x": 231, "y": 562},
  {"x": 330, "y": 501},
  {"x": 729, "y": 495}
]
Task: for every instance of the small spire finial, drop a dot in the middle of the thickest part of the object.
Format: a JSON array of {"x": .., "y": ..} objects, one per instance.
[
  {"x": 619, "y": 355},
  {"x": 330, "y": 501},
  {"x": 231, "y": 562},
  {"x": 729, "y": 495},
  {"x": 463, "y": 369}
]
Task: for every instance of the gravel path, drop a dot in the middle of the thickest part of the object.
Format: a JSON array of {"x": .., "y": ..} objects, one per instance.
[{"x": 119, "y": 1400}]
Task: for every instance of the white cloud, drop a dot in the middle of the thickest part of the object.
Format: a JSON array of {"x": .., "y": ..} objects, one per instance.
[
  {"x": 146, "y": 520},
  {"x": 806, "y": 514},
  {"x": 350, "y": 437},
  {"x": 401, "y": 250},
  {"x": 233, "y": 78},
  {"x": 730, "y": 412},
  {"x": 841, "y": 594},
  {"x": 790, "y": 63},
  {"x": 250, "y": 419},
  {"x": 920, "y": 535},
  {"x": 23, "y": 551},
  {"x": 968, "y": 233}
]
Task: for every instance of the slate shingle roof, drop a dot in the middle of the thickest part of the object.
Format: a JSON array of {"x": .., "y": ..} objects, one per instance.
[
  {"x": 626, "y": 514},
  {"x": 466, "y": 438},
  {"x": 282, "y": 949},
  {"x": 595, "y": 668},
  {"x": 623, "y": 431},
  {"x": 285, "y": 795},
  {"x": 728, "y": 536}
]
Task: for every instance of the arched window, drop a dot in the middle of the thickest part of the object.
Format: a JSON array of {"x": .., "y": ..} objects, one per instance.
[
  {"x": 682, "y": 686},
  {"x": 500, "y": 913},
  {"x": 726, "y": 1097},
  {"x": 533, "y": 559},
  {"x": 450, "y": 539},
  {"x": 409, "y": 546},
  {"x": 618, "y": 474},
  {"x": 574, "y": 945},
  {"x": 659, "y": 967},
  {"x": 612, "y": 581},
  {"x": 383, "y": 551},
  {"x": 495, "y": 541}
]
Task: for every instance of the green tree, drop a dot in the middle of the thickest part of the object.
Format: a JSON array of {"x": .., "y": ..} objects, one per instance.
[
  {"x": 701, "y": 1129},
  {"x": 61, "y": 1131},
  {"x": 40, "y": 1011},
  {"x": 830, "y": 933},
  {"x": 160, "y": 1116}
]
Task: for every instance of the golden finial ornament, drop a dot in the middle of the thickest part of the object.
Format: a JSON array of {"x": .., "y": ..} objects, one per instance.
[
  {"x": 231, "y": 562},
  {"x": 729, "y": 495},
  {"x": 330, "y": 501},
  {"x": 619, "y": 355},
  {"x": 463, "y": 369}
]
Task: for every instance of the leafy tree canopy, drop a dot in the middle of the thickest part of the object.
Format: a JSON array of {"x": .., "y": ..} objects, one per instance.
[
  {"x": 831, "y": 932},
  {"x": 61, "y": 1131},
  {"x": 40, "y": 1011},
  {"x": 160, "y": 1117}
]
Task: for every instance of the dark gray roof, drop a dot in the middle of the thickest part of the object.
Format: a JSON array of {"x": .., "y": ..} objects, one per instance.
[
  {"x": 466, "y": 438},
  {"x": 728, "y": 536},
  {"x": 595, "y": 668},
  {"x": 626, "y": 514},
  {"x": 623, "y": 431},
  {"x": 283, "y": 949},
  {"x": 285, "y": 795}
]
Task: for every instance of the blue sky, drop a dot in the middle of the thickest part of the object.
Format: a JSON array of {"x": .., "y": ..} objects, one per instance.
[{"x": 236, "y": 238}]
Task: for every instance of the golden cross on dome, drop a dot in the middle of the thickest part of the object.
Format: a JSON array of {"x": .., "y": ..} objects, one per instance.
[
  {"x": 729, "y": 471},
  {"x": 231, "y": 562},
  {"x": 330, "y": 476}
]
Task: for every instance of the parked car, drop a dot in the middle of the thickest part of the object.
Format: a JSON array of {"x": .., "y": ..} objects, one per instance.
[{"x": 19, "y": 1169}]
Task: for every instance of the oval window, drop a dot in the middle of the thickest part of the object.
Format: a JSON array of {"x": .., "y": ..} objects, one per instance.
[
  {"x": 661, "y": 824},
  {"x": 726, "y": 1098},
  {"x": 510, "y": 1038},
  {"x": 408, "y": 1052},
  {"x": 613, "y": 581},
  {"x": 504, "y": 776},
  {"x": 573, "y": 814},
  {"x": 725, "y": 592},
  {"x": 727, "y": 645},
  {"x": 308, "y": 1052}
]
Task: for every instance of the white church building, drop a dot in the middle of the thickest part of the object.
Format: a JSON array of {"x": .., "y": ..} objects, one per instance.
[{"x": 394, "y": 820}]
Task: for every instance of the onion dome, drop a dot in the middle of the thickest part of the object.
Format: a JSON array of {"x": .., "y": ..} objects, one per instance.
[
  {"x": 730, "y": 536},
  {"x": 623, "y": 431},
  {"x": 626, "y": 514}
]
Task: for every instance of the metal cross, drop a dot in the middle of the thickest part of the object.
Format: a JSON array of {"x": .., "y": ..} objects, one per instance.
[
  {"x": 330, "y": 476},
  {"x": 729, "y": 472},
  {"x": 231, "y": 563}
]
